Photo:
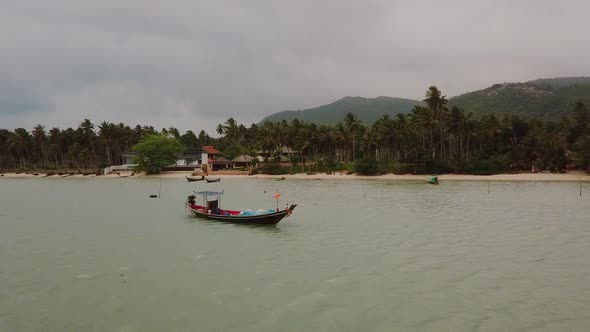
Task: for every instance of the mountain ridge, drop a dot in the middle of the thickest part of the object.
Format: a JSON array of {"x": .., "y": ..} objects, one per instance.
[
  {"x": 544, "y": 98},
  {"x": 371, "y": 108}
]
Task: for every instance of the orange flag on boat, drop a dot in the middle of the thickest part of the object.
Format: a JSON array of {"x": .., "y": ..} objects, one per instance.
[{"x": 277, "y": 195}]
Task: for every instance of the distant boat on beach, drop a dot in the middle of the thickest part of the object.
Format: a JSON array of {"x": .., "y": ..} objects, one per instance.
[{"x": 193, "y": 179}]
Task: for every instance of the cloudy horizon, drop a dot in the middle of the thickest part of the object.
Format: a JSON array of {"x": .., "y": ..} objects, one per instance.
[{"x": 193, "y": 64}]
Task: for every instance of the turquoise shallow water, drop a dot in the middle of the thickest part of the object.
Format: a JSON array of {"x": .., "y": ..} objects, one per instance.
[{"x": 99, "y": 255}]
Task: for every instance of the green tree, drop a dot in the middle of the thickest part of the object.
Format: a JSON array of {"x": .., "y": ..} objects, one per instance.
[
  {"x": 155, "y": 152},
  {"x": 438, "y": 104},
  {"x": 353, "y": 125},
  {"x": 189, "y": 140}
]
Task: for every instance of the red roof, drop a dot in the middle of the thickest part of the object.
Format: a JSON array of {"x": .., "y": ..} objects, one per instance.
[{"x": 210, "y": 149}]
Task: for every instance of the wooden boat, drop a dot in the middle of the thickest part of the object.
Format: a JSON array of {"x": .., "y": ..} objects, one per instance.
[
  {"x": 191, "y": 179},
  {"x": 213, "y": 180},
  {"x": 433, "y": 179},
  {"x": 210, "y": 209}
]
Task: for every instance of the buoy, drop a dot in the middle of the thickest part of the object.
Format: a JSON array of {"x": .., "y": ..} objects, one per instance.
[{"x": 159, "y": 191}]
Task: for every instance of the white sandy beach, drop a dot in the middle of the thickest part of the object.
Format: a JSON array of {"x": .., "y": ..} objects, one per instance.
[{"x": 569, "y": 176}]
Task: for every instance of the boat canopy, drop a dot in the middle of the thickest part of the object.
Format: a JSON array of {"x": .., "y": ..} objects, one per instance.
[{"x": 208, "y": 193}]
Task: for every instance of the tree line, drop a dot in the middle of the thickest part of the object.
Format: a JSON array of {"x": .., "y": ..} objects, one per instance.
[
  {"x": 433, "y": 138},
  {"x": 88, "y": 146}
]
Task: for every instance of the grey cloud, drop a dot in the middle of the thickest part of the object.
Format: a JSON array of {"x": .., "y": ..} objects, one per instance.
[
  {"x": 192, "y": 64},
  {"x": 16, "y": 99}
]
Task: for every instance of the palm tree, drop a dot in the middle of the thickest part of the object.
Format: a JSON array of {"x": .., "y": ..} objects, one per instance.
[
  {"x": 204, "y": 139},
  {"x": 105, "y": 137},
  {"x": 19, "y": 142},
  {"x": 422, "y": 124},
  {"x": 230, "y": 130},
  {"x": 87, "y": 141},
  {"x": 173, "y": 132},
  {"x": 189, "y": 140},
  {"x": 339, "y": 138},
  {"x": 387, "y": 135},
  {"x": 458, "y": 125},
  {"x": 353, "y": 125},
  {"x": 370, "y": 141},
  {"x": 40, "y": 139},
  {"x": 266, "y": 137},
  {"x": 438, "y": 104}
]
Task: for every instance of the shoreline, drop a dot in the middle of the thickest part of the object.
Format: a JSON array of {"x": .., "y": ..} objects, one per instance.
[{"x": 573, "y": 176}]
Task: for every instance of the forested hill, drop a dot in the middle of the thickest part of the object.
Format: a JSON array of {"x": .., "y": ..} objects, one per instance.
[
  {"x": 546, "y": 99},
  {"x": 366, "y": 109}
]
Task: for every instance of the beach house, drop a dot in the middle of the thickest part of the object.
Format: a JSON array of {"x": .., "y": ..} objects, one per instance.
[{"x": 189, "y": 160}]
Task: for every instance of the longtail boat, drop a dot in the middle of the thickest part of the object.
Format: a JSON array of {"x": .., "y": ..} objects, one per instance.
[
  {"x": 210, "y": 209},
  {"x": 191, "y": 179},
  {"x": 213, "y": 180}
]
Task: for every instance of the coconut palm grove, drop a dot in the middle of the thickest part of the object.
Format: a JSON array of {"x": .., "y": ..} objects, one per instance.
[{"x": 432, "y": 138}]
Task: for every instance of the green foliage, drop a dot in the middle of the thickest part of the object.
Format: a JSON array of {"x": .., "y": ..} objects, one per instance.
[
  {"x": 190, "y": 141},
  {"x": 367, "y": 109},
  {"x": 581, "y": 153},
  {"x": 231, "y": 152},
  {"x": 494, "y": 165},
  {"x": 155, "y": 152},
  {"x": 438, "y": 166},
  {"x": 274, "y": 169},
  {"x": 548, "y": 99},
  {"x": 433, "y": 137},
  {"x": 366, "y": 166},
  {"x": 327, "y": 164}
]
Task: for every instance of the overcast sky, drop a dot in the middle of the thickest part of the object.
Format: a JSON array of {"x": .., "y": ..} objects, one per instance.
[{"x": 192, "y": 64}]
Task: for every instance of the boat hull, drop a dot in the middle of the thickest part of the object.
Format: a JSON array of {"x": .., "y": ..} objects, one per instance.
[
  {"x": 263, "y": 219},
  {"x": 193, "y": 179}
]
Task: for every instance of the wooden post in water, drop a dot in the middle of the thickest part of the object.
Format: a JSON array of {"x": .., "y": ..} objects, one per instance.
[
  {"x": 580, "y": 188},
  {"x": 488, "y": 186}
]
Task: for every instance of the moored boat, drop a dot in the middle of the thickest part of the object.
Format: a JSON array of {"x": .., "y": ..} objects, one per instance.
[
  {"x": 213, "y": 180},
  {"x": 433, "y": 179},
  {"x": 192, "y": 179},
  {"x": 210, "y": 209}
]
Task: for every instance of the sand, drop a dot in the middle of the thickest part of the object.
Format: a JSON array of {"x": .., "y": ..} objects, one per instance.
[{"x": 569, "y": 176}]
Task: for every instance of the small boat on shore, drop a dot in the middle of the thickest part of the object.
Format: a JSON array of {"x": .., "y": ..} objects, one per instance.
[
  {"x": 210, "y": 209},
  {"x": 433, "y": 179},
  {"x": 213, "y": 180},
  {"x": 193, "y": 179}
]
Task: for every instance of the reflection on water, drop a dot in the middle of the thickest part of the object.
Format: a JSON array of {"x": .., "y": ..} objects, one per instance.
[{"x": 99, "y": 254}]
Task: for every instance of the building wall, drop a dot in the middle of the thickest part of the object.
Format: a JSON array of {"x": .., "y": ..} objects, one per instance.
[{"x": 128, "y": 160}]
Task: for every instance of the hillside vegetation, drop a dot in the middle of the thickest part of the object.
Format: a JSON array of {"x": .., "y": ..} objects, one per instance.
[
  {"x": 366, "y": 109},
  {"x": 547, "y": 99}
]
